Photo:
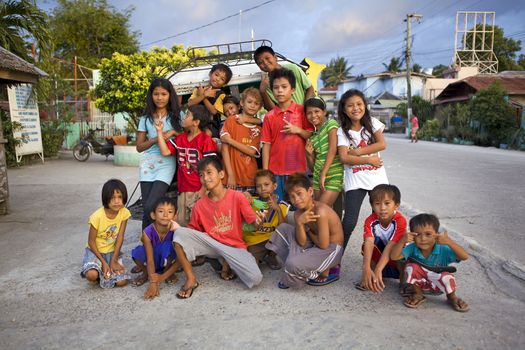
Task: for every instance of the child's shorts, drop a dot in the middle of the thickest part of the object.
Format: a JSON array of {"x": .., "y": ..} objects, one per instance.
[
  {"x": 161, "y": 255},
  {"x": 92, "y": 262}
]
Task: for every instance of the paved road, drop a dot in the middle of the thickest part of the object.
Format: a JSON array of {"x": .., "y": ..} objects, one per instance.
[
  {"x": 478, "y": 192},
  {"x": 45, "y": 304}
]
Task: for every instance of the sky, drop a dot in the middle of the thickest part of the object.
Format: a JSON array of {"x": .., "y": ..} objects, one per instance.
[{"x": 366, "y": 33}]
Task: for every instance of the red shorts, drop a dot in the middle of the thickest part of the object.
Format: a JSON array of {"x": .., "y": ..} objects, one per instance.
[{"x": 428, "y": 280}]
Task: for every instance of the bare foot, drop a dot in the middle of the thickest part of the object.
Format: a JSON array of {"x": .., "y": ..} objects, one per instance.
[
  {"x": 457, "y": 304},
  {"x": 140, "y": 280}
]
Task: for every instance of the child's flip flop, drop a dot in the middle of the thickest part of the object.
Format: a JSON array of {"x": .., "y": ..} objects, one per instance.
[
  {"x": 416, "y": 302},
  {"x": 323, "y": 280}
]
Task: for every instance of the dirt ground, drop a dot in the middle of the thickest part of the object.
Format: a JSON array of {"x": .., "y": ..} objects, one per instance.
[{"x": 45, "y": 303}]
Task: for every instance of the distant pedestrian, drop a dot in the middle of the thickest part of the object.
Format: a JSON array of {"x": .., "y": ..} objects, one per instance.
[
  {"x": 414, "y": 126},
  {"x": 156, "y": 170},
  {"x": 102, "y": 259},
  {"x": 428, "y": 258},
  {"x": 360, "y": 139}
]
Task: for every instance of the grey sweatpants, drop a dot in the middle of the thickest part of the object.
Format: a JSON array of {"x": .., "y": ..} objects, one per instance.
[
  {"x": 241, "y": 261},
  {"x": 301, "y": 264}
]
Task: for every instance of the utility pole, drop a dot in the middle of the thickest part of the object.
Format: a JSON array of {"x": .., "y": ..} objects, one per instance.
[{"x": 407, "y": 59}]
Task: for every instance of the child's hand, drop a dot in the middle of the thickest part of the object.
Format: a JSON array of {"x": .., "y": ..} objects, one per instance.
[
  {"x": 159, "y": 125},
  {"x": 241, "y": 119},
  {"x": 152, "y": 291},
  {"x": 264, "y": 82},
  {"x": 116, "y": 268},
  {"x": 368, "y": 278},
  {"x": 378, "y": 285},
  {"x": 308, "y": 216},
  {"x": 322, "y": 179},
  {"x": 409, "y": 237},
  {"x": 290, "y": 128},
  {"x": 226, "y": 138},
  {"x": 200, "y": 91},
  {"x": 443, "y": 238},
  {"x": 273, "y": 202},
  {"x": 210, "y": 92},
  {"x": 174, "y": 225},
  {"x": 154, "y": 278},
  {"x": 309, "y": 147},
  {"x": 375, "y": 161},
  {"x": 106, "y": 270},
  {"x": 232, "y": 182},
  {"x": 261, "y": 215},
  {"x": 354, "y": 152},
  {"x": 168, "y": 134}
]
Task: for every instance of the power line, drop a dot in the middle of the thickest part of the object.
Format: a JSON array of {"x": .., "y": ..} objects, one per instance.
[{"x": 209, "y": 24}]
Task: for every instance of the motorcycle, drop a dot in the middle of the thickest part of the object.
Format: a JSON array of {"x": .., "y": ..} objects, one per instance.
[{"x": 89, "y": 144}]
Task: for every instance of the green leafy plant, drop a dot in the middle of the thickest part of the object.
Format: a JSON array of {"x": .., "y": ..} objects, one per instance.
[
  {"x": 431, "y": 128},
  {"x": 9, "y": 128}
]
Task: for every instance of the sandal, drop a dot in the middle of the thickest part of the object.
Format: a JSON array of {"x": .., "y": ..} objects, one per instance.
[
  {"x": 186, "y": 290},
  {"x": 199, "y": 261},
  {"x": 140, "y": 280},
  {"x": 227, "y": 275},
  {"x": 173, "y": 279},
  {"x": 136, "y": 269},
  {"x": 281, "y": 285},
  {"x": 459, "y": 305},
  {"x": 323, "y": 280},
  {"x": 358, "y": 286},
  {"x": 414, "y": 301},
  {"x": 272, "y": 262}
]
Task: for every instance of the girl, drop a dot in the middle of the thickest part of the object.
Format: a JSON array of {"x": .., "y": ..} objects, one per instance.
[
  {"x": 321, "y": 153},
  {"x": 359, "y": 140},
  {"x": 156, "y": 170},
  {"x": 272, "y": 210},
  {"x": 107, "y": 225}
]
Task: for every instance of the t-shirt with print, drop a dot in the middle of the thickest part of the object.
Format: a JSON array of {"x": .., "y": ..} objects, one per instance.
[
  {"x": 265, "y": 230},
  {"x": 302, "y": 83},
  {"x": 361, "y": 176},
  {"x": 222, "y": 220},
  {"x": 287, "y": 152},
  {"x": 382, "y": 235},
  {"x": 188, "y": 153},
  {"x": 244, "y": 166},
  {"x": 107, "y": 229}
]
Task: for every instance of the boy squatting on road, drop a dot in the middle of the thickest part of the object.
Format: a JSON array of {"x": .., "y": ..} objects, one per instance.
[
  {"x": 215, "y": 230},
  {"x": 429, "y": 250},
  {"x": 314, "y": 245}
]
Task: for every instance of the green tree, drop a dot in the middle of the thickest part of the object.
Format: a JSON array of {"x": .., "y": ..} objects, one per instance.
[
  {"x": 490, "y": 109},
  {"x": 394, "y": 66},
  {"x": 504, "y": 48},
  {"x": 417, "y": 68},
  {"x": 420, "y": 107},
  {"x": 458, "y": 117},
  {"x": 23, "y": 23},
  {"x": 336, "y": 71},
  {"x": 438, "y": 70},
  {"x": 124, "y": 79},
  {"x": 91, "y": 30}
]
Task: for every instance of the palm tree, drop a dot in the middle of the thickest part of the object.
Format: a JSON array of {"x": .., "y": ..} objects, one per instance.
[
  {"x": 394, "y": 66},
  {"x": 21, "y": 21},
  {"x": 336, "y": 71},
  {"x": 417, "y": 68}
]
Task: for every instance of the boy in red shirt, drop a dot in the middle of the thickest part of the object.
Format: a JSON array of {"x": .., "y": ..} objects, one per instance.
[
  {"x": 215, "y": 230},
  {"x": 190, "y": 147},
  {"x": 383, "y": 229},
  {"x": 241, "y": 143},
  {"x": 285, "y": 131}
]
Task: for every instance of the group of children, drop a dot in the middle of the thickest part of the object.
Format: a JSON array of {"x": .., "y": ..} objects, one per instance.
[{"x": 234, "y": 214}]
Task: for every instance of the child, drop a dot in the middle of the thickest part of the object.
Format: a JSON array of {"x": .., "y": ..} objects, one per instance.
[
  {"x": 429, "y": 249},
  {"x": 321, "y": 153},
  {"x": 231, "y": 106},
  {"x": 215, "y": 230},
  {"x": 414, "y": 127},
  {"x": 240, "y": 144},
  {"x": 156, "y": 256},
  {"x": 383, "y": 228},
  {"x": 156, "y": 170},
  {"x": 211, "y": 96},
  {"x": 314, "y": 245},
  {"x": 273, "y": 215},
  {"x": 102, "y": 261},
  {"x": 285, "y": 131},
  {"x": 266, "y": 59},
  {"x": 190, "y": 146},
  {"x": 359, "y": 140}
]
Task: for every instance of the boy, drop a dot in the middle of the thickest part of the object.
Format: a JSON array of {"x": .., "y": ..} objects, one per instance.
[
  {"x": 215, "y": 230},
  {"x": 190, "y": 146},
  {"x": 211, "y": 96},
  {"x": 429, "y": 251},
  {"x": 240, "y": 144},
  {"x": 266, "y": 60},
  {"x": 155, "y": 256},
  {"x": 383, "y": 228},
  {"x": 314, "y": 245},
  {"x": 285, "y": 131}
]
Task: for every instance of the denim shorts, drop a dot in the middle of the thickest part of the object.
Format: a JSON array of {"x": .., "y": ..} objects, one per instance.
[{"x": 91, "y": 261}]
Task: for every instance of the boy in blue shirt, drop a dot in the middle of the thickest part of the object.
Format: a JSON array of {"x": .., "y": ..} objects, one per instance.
[{"x": 427, "y": 258}]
